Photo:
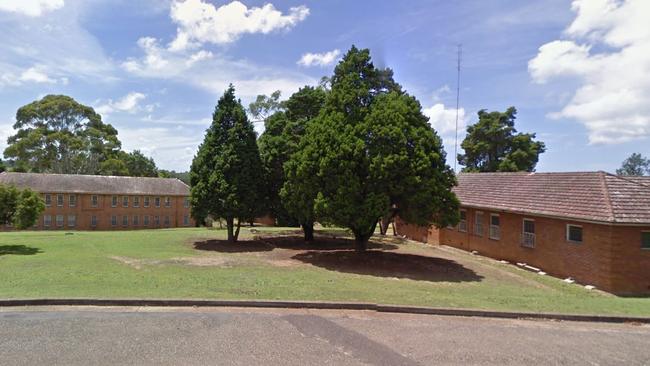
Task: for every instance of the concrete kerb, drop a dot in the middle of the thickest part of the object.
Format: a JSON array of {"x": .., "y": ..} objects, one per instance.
[{"x": 323, "y": 306}]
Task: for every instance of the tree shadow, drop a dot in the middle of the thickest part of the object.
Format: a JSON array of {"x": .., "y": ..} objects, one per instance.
[
  {"x": 18, "y": 250},
  {"x": 266, "y": 244},
  {"x": 387, "y": 264}
]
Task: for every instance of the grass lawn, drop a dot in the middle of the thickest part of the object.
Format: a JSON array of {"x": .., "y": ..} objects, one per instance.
[{"x": 193, "y": 263}]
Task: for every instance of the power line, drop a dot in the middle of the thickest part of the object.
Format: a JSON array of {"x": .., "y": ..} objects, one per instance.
[{"x": 460, "y": 53}]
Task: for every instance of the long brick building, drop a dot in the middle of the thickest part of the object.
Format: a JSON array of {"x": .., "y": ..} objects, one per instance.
[
  {"x": 92, "y": 202},
  {"x": 590, "y": 226}
]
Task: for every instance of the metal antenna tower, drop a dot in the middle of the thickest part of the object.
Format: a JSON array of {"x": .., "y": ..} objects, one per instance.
[{"x": 460, "y": 53}]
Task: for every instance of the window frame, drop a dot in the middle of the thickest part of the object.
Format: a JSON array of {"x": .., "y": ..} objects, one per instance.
[
  {"x": 114, "y": 201},
  {"x": 94, "y": 200},
  {"x": 72, "y": 200},
  {"x": 523, "y": 232},
  {"x": 60, "y": 200},
  {"x": 93, "y": 221},
  {"x": 125, "y": 220},
  {"x": 478, "y": 224},
  {"x": 125, "y": 201},
  {"x": 186, "y": 220},
  {"x": 643, "y": 233},
  {"x": 167, "y": 221},
  {"x": 136, "y": 201},
  {"x": 74, "y": 220},
  {"x": 168, "y": 202},
  {"x": 490, "y": 226},
  {"x": 62, "y": 221},
  {"x": 186, "y": 202},
  {"x": 156, "y": 221},
  {"x": 145, "y": 220},
  {"x": 47, "y": 223},
  {"x": 568, "y": 237},
  {"x": 135, "y": 220},
  {"x": 48, "y": 200},
  {"x": 156, "y": 202},
  {"x": 113, "y": 220},
  {"x": 146, "y": 202},
  {"x": 462, "y": 228}
]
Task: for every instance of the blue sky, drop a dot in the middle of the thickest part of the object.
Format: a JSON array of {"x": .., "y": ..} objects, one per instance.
[{"x": 578, "y": 72}]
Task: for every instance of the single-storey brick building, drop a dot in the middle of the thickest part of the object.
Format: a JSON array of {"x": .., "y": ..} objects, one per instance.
[
  {"x": 591, "y": 226},
  {"x": 93, "y": 202}
]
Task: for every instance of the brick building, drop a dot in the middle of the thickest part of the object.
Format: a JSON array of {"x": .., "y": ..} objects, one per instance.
[
  {"x": 92, "y": 202},
  {"x": 591, "y": 226}
]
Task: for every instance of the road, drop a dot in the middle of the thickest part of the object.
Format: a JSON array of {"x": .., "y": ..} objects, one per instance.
[{"x": 172, "y": 336}]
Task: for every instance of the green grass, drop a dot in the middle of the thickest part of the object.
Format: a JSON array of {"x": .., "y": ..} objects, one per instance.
[{"x": 84, "y": 264}]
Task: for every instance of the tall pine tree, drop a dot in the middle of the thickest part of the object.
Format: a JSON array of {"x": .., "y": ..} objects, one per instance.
[{"x": 226, "y": 174}]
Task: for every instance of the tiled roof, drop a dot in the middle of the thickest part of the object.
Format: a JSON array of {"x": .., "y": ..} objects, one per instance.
[
  {"x": 71, "y": 183},
  {"x": 592, "y": 196}
]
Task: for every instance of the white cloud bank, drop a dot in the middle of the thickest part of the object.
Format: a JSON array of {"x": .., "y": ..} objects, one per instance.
[
  {"x": 201, "y": 22},
  {"x": 32, "y": 8},
  {"x": 319, "y": 59},
  {"x": 607, "y": 48},
  {"x": 443, "y": 120}
]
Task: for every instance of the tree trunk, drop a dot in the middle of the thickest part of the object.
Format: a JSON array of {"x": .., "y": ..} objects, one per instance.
[
  {"x": 237, "y": 231},
  {"x": 361, "y": 237},
  {"x": 308, "y": 231},
  {"x": 229, "y": 227}
]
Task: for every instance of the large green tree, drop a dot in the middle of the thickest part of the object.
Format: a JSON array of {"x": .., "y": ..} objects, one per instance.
[
  {"x": 20, "y": 208},
  {"x": 493, "y": 145},
  {"x": 371, "y": 150},
  {"x": 282, "y": 134},
  {"x": 226, "y": 174},
  {"x": 635, "y": 165},
  {"x": 56, "y": 134}
]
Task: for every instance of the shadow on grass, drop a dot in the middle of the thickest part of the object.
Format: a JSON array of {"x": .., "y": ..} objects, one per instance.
[
  {"x": 266, "y": 244},
  {"x": 386, "y": 264},
  {"x": 18, "y": 250}
]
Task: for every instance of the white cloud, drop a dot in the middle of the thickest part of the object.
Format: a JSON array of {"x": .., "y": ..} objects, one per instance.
[
  {"x": 32, "y": 8},
  {"x": 443, "y": 120},
  {"x": 201, "y": 22},
  {"x": 33, "y": 74},
  {"x": 170, "y": 147},
  {"x": 198, "y": 69},
  {"x": 319, "y": 59},
  {"x": 130, "y": 103},
  {"x": 607, "y": 49}
]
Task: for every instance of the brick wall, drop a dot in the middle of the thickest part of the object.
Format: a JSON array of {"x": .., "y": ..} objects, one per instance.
[
  {"x": 83, "y": 210},
  {"x": 609, "y": 257},
  {"x": 418, "y": 233}
]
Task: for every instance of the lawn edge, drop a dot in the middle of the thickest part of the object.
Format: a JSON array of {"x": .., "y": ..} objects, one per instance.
[{"x": 324, "y": 305}]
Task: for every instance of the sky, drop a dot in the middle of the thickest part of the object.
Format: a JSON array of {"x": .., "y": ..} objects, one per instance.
[{"x": 578, "y": 72}]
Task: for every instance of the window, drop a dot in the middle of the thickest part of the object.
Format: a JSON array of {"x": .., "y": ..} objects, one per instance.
[
  {"x": 59, "y": 200},
  {"x": 645, "y": 240},
  {"x": 72, "y": 220},
  {"x": 156, "y": 220},
  {"x": 72, "y": 200},
  {"x": 574, "y": 233},
  {"x": 94, "y": 201},
  {"x": 166, "y": 221},
  {"x": 168, "y": 202},
  {"x": 114, "y": 220},
  {"x": 125, "y": 220},
  {"x": 125, "y": 201},
  {"x": 136, "y": 220},
  {"x": 47, "y": 220},
  {"x": 93, "y": 221},
  {"x": 146, "y": 202},
  {"x": 186, "y": 220},
  {"x": 462, "y": 224},
  {"x": 48, "y": 200},
  {"x": 114, "y": 202},
  {"x": 145, "y": 220},
  {"x": 157, "y": 201},
  {"x": 478, "y": 223},
  {"x": 495, "y": 227},
  {"x": 136, "y": 201},
  {"x": 186, "y": 202},
  {"x": 528, "y": 234},
  {"x": 59, "y": 220}
]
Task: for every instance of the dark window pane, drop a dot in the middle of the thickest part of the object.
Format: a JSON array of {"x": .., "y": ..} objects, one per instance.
[
  {"x": 529, "y": 226},
  {"x": 494, "y": 220},
  {"x": 645, "y": 240},
  {"x": 575, "y": 233}
]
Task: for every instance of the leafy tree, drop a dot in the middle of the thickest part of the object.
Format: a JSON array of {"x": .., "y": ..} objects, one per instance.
[
  {"x": 114, "y": 166},
  {"x": 59, "y": 135},
  {"x": 283, "y": 132},
  {"x": 369, "y": 150},
  {"x": 183, "y": 176},
  {"x": 264, "y": 106},
  {"x": 3, "y": 167},
  {"x": 20, "y": 208},
  {"x": 226, "y": 174},
  {"x": 634, "y": 165},
  {"x": 138, "y": 165},
  {"x": 493, "y": 145}
]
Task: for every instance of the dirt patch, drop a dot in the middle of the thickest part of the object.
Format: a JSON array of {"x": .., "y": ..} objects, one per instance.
[
  {"x": 389, "y": 264},
  {"x": 190, "y": 261}
]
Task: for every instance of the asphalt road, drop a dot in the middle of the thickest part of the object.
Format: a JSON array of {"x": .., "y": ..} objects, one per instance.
[{"x": 148, "y": 336}]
